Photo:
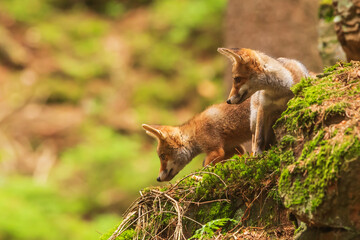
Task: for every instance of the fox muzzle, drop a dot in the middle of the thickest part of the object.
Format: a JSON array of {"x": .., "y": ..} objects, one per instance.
[
  {"x": 166, "y": 175},
  {"x": 237, "y": 99}
]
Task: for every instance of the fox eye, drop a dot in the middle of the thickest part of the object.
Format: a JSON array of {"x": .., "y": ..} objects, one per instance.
[
  {"x": 162, "y": 156},
  {"x": 237, "y": 79}
]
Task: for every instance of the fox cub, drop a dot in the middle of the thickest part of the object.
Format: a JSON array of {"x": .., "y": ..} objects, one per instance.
[
  {"x": 218, "y": 131},
  {"x": 267, "y": 81}
]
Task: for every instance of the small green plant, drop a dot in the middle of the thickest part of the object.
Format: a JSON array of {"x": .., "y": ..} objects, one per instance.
[{"x": 209, "y": 229}]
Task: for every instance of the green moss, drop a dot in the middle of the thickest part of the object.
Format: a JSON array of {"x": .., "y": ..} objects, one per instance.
[
  {"x": 285, "y": 180},
  {"x": 331, "y": 68},
  {"x": 215, "y": 210},
  {"x": 245, "y": 169},
  {"x": 107, "y": 235},
  {"x": 287, "y": 140},
  {"x": 336, "y": 109},
  {"x": 208, "y": 230},
  {"x": 320, "y": 167},
  {"x": 304, "y": 110},
  {"x": 129, "y": 234},
  {"x": 304, "y": 181}
]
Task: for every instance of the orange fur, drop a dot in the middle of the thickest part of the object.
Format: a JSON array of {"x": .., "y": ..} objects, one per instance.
[{"x": 219, "y": 132}]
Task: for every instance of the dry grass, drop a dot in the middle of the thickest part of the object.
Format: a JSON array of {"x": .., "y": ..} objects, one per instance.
[
  {"x": 149, "y": 211},
  {"x": 160, "y": 214}
]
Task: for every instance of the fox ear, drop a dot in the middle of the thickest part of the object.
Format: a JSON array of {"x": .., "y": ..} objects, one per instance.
[
  {"x": 232, "y": 54},
  {"x": 153, "y": 131}
]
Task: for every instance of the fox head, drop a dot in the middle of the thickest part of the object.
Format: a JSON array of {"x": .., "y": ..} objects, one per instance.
[
  {"x": 171, "y": 150},
  {"x": 244, "y": 65}
]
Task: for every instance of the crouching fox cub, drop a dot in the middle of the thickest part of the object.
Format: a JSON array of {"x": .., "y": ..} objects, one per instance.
[{"x": 217, "y": 132}]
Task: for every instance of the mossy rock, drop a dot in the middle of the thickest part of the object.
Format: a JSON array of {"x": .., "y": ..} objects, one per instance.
[{"x": 321, "y": 185}]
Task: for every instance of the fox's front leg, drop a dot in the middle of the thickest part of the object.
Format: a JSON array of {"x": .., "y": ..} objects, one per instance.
[
  {"x": 269, "y": 132},
  {"x": 258, "y": 140},
  {"x": 253, "y": 144},
  {"x": 214, "y": 157}
]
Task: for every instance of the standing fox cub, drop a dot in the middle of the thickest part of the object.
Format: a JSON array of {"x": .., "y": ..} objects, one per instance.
[
  {"x": 217, "y": 131},
  {"x": 267, "y": 81}
]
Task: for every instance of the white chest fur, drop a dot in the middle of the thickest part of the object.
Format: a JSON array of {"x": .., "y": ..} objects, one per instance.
[{"x": 274, "y": 102}]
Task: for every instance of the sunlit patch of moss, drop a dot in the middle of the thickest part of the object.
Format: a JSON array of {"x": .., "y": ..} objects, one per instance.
[
  {"x": 106, "y": 236},
  {"x": 336, "y": 68},
  {"x": 331, "y": 68},
  {"x": 240, "y": 170},
  {"x": 127, "y": 235}
]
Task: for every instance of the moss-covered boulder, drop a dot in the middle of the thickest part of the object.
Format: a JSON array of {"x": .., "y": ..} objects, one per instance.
[
  {"x": 310, "y": 177},
  {"x": 321, "y": 185}
]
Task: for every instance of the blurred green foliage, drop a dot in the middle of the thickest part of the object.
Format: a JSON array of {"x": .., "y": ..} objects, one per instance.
[
  {"x": 103, "y": 161},
  {"x": 29, "y": 12},
  {"x": 118, "y": 64},
  {"x": 30, "y": 211}
]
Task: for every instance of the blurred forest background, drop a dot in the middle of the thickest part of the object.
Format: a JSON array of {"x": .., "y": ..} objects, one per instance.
[{"x": 77, "y": 80}]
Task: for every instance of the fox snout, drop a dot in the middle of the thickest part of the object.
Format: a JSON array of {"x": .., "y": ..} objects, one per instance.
[
  {"x": 238, "y": 97},
  {"x": 166, "y": 175}
]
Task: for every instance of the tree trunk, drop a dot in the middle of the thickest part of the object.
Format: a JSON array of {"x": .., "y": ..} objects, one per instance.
[{"x": 347, "y": 26}]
